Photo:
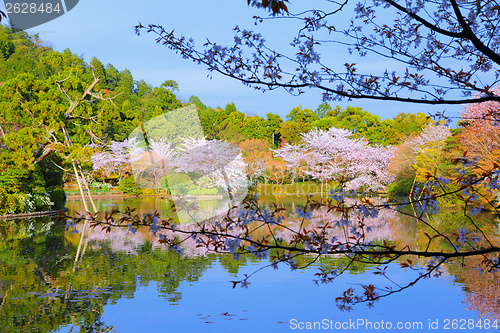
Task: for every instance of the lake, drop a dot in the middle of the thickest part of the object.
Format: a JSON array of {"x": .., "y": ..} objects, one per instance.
[{"x": 129, "y": 283}]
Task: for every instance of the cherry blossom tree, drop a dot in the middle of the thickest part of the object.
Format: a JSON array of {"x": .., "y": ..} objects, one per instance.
[
  {"x": 214, "y": 162},
  {"x": 335, "y": 155},
  {"x": 152, "y": 164},
  {"x": 293, "y": 155},
  {"x": 323, "y": 153},
  {"x": 369, "y": 168},
  {"x": 431, "y": 133},
  {"x": 218, "y": 160},
  {"x": 117, "y": 157}
]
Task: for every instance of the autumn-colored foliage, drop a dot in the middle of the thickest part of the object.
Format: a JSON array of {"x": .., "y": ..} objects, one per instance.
[
  {"x": 256, "y": 154},
  {"x": 276, "y": 170},
  {"x": 481, "y": 135}
]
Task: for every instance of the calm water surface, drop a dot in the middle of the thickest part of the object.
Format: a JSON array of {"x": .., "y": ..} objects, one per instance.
[{"x": 129, "y": 283}]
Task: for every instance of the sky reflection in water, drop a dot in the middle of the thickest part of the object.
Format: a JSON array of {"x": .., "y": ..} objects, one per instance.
[
  {"x": 273, "y": 299},
  {"x": 203, "y": 300}
]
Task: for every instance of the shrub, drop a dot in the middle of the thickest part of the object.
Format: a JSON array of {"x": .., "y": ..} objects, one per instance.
[
  {"x": 129, "y": 186},
  {"x": 104, "y": 187},
  {"x": 57, "y": 196},
  {"x": 401, "y": 187}
]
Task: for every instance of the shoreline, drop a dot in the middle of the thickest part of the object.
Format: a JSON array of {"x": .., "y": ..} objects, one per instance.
[
  {"x": 34, "y": 214},
  {"x": 126, "y": 196}
]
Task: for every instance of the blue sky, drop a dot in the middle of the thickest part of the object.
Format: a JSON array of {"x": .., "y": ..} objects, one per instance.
[{"x": 105, "y": 29}]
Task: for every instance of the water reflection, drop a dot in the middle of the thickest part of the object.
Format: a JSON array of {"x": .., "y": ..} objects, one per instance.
[
  {"x": 40, "y": 292},
  {"x": 482, "y": 291},
  {"x": 129, "y": 283}
]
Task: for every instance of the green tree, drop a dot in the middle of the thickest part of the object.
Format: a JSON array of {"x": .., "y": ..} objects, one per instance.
[
  {"x": 299, "y": 121},
  {"x": 196, "y": 101},
  {"x": 273, "y": 126},
  {"x": 112, "y": 77},
  {"x": 230, "y": 124},
  {"x": 325, "y": 109},
  {"x": 208, "y": 119},
  {"x": 407, "y": 124},
  {"x": 291, "y": 131},
  {"x": 361, "y": 123},
  {"x": 300, "y": 115},
  {"x": 254, "y": 128},
  {"x": 6, "y": 46},
  {"x": 99, "y": 71}
]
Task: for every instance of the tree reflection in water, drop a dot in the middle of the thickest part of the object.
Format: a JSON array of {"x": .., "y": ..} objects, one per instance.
[
  {"x": 482, "y": 289},
  {"x": 39, "y": 291}
]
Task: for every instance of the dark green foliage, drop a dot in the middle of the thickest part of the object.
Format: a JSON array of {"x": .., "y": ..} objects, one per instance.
[
  {"x": 129, "y": 186},
  {"x": 57, "y": 196},
  {"x": 52, "y": 175},
  {"x": 401, "y": 188},
  {"x": 6, "y": 46},
  {"x": 273, "y": 125}
]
